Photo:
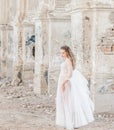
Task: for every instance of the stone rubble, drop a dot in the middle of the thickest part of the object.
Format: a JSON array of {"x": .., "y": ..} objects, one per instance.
[{"x": 22, "y": 110}]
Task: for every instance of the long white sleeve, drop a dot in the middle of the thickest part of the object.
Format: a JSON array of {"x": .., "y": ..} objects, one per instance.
[{"x": 69, "y": 69}]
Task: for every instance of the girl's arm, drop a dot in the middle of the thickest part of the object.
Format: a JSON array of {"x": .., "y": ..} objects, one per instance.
[{"x": 69, "y": 70}]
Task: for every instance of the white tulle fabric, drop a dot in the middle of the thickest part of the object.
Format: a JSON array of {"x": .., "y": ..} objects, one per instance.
[{"x": 74, "y": 107}]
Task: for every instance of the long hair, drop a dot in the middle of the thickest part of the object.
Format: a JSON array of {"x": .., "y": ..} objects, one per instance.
[{"x": 69, "y": 54}]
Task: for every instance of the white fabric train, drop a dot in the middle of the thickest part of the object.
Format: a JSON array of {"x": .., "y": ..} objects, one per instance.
[{"x": 76, "y": 102}]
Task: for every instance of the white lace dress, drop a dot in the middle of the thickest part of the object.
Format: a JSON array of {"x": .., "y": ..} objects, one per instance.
[{"x": 74, "y": 107}]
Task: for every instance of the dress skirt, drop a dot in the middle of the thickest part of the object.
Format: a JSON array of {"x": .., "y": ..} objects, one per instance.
[{"x": 74, "y": 106}]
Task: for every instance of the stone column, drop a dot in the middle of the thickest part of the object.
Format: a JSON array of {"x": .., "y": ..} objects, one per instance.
[
  {"x": 93, "y": 54},
  {"x": 41, "y": 50},
  {"x": 38, "y": 57},
  {"x": 4, "y": 54},
  {"x": 17, "y": 77},
  {"x": 24, "y": 44},
  {"x": 50, "y": 56},
  {"x": 41, "y": 57},
  {"x": 11, "y": 52},
  {"x": 0, "y": 53},
  {"x": 18, "y": 32}
]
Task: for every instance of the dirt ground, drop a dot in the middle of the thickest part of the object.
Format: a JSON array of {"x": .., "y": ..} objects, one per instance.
[{"x": 20, "y": 109}]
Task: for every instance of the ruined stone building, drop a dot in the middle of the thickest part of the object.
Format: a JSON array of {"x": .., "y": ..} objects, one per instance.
[{"x": 32, "y": 32}]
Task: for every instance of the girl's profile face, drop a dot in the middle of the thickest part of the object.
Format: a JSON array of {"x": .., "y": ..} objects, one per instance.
[{"x": 63, "y": 53}]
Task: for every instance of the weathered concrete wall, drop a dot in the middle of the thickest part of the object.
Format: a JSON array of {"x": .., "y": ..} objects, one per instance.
[
  {"x": 105, "y": 63},
  {"x": 86, "y": 26},
  {"x": 92, "y": 37}
]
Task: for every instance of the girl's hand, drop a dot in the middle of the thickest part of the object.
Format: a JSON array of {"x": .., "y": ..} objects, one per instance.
[{"x": 63, "y": 87}]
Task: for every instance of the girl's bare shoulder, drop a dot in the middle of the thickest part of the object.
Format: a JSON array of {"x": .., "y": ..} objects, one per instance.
[{"x": 68, "y": 61}]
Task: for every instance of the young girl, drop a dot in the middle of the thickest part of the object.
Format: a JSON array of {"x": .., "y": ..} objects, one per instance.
[{"x": 74, "y": 107}]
